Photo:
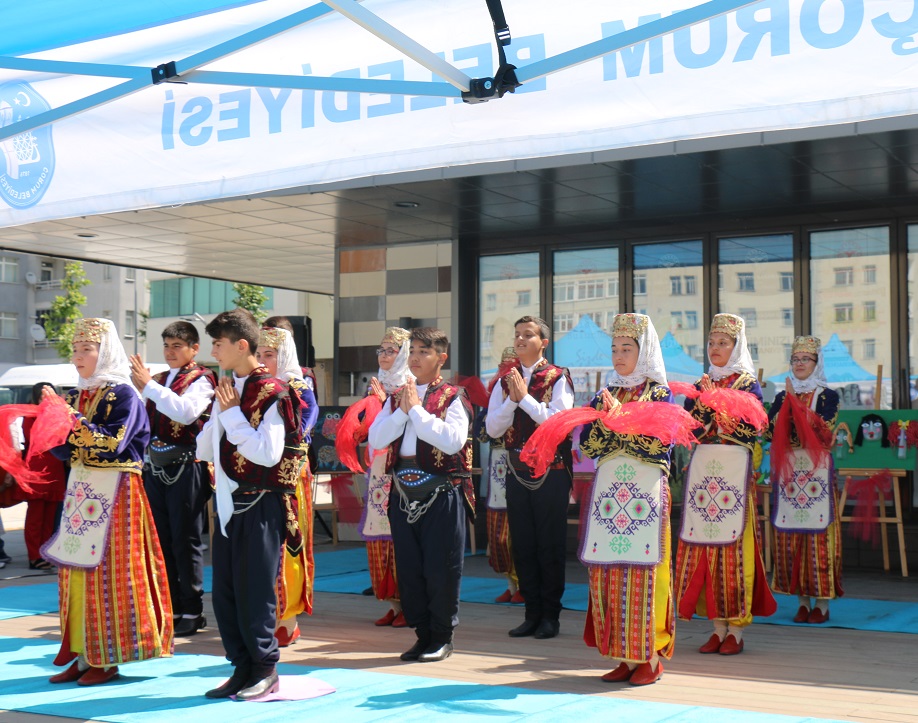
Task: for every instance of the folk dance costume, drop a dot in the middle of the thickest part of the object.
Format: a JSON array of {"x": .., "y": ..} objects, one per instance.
[
  {"x": 536, "y": 507},
  {"x": 430, "y": 461},
  {"x": 720, "y": 574},
  {"x": 296, "y": 580},
  {"x": 808, "y": 549},
  {"x": 177, "y": 485},
  {"x": 258, "y": 453},
  {"x": 113, "y": 584},
  {"x": 626, "y": 541}
]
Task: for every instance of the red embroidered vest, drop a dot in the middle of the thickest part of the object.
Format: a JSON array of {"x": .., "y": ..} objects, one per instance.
[
  {"x": 541, "y": 385},
  {"x": 259, "y": 393},
  {"x": 171, "y": 431}
]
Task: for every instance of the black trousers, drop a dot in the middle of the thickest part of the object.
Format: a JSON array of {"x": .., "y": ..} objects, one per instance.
[
  {"x": 538, "y": 534},
  {"x": 178, "y": 512},
  {"x": 429, "y": 555},
  {"x": 246, "y": 563}
]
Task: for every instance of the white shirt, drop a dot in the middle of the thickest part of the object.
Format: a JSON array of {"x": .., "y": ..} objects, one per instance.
[
  {"x": 448, "y": 435},
  {"x": 501, "y": 411},
  {"x": 263, "y": 446},
  {"x": 185, "y": 408}
]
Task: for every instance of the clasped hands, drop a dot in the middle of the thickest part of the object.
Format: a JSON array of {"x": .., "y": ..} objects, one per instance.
[{"x": 226, "y": 394}]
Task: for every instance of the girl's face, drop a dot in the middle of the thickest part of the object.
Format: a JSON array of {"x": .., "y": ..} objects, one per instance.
[
  {"x": 803, "y": 365},
  {"x": 625, "y": 351},
  {"x": 386, "y": 354},
  {"x": 720, "y": 347},
  {"x": 85, "y": 357},
  {"x": 267, "y": 356}
]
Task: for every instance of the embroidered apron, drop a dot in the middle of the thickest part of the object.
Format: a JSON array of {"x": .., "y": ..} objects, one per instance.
[
  {"x": 714, "y": 512},
  {"x": 806, "y": 502},
  {"x": 376, "y": 519},
  {"x": 81, "y": 537},
  {"x": 498, "y": 469},
  {"x": 624, "y": 518}
]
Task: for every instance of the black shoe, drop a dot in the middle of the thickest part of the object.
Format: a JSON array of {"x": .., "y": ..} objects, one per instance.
[
  {"x": 525, "y": 630},
  {"x": 547, "y": 629},
  {"x": 368, "y": 591},
  {"x": 436, "y": 652},
  {"x": 189, "y": 626},
  {"x": 420, "y": 646},
  {"x": 232, "y": 686},
  {"x": 260, "y": 688}
]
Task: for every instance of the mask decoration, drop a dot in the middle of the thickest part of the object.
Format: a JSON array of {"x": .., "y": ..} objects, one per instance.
[{"x": 872, "y": 429}]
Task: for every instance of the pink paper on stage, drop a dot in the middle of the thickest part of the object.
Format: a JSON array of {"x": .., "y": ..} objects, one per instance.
[{"x": 297, "y": 687}]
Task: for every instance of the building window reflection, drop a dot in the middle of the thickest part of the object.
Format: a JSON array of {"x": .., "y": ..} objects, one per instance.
[
  {"x": 506, "y": 278},
  {"x": 746, "y": 281}
]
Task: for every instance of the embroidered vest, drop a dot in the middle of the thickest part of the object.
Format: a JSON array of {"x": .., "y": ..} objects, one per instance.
[
  {"x": 259, "y": 393},
  {"x": 167, "y": 429},
  {"x": 744, "y": 435},
  {"x": 541, "y": 385}
]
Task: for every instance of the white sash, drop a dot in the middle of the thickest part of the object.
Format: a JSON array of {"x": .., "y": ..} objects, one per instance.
[
  {"x": 498, "y": 469},
  {"x": 623, "y": 520},
  {"x": 714, "y": 512},
  {"x": 80, "y": 539},
  {"x": 376, "y": 518},
  {"x": 223, "y": 485},
  {"x": 806, "y": 503}
]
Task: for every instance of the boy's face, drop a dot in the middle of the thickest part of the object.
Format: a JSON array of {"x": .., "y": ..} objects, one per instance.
[
  {"x": 425, "y": 362},
  {"x": 229, "y": 354},
  {"x": 178, "y": 352},
  {"x": 267, "y": 356},
  {"x": 528, "y": 342},
  {"x": 85, "y": 357}
]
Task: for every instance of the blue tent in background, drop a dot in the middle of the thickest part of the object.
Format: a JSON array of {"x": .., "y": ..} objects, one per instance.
[
  {"x": 586, "y": 345},
  {"x": 840, "y": 366},
  {"x": 677, "y": 362}
]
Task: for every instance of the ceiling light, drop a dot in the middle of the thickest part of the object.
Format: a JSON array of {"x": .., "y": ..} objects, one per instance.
[
  {"x": 87, "y": 235},
  {"x": 406, "y": 204}
]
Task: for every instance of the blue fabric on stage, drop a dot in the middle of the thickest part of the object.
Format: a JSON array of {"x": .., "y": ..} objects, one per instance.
[{"x": 172, "y": 689}]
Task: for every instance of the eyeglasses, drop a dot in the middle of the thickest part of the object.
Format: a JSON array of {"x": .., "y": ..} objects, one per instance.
[
  {"x": 802, "y": 360},
  {"x": 383, "y": 351}
]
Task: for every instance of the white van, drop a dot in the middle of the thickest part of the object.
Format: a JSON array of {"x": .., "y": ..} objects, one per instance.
[{"x": 16, "y": 383}]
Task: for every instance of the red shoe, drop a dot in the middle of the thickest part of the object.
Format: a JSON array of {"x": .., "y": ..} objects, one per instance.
[
  {"x": 802, "y": 614},
  {"x": 817, "y": 616},
  {"x": 97, "y": 676},
  {"x": 517, "y": 598},
  {"x": 619, "y": 675},
  {"x": 731, "y": 647},
  {"x": 387, "y": 618},
  {"x": 504, "y": 597},
  {"x": 284, "y": 638},
  {"x": 645, "y": 675},
  {"x": 68, "y": 676},
  {"x": 399, "y": 621},
  {"x": 712, "y": 646}
]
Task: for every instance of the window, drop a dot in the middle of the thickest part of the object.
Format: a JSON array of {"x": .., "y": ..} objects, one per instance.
[
  {"x": 720, "y": 280},
  {"x": 675, "y": 285},
  {"x": 690, "y": 287},
  {"x": 746, "y": 281},
  {"x": 691, "y": 319},
  {"x": 130, "y": 275},
  {"x": 870, "y": 348},
  {"x": 564, "y": 291},
  {"x": 490, "y": 302},
  {"x": 750, "y": 316},
  {"x": 754, "y": 351},
  {"x": 849, "y": 346},
  {"x": 610, "y": 320},
  {"x": 788, "y": 350},
  {"x": 640, "y": 284},
  {"x": 844, "y": 276},
  {"x": 675, "y": 320},
  {"x": 9, "y": 269},
  {"x": 47, "y": 271},
  {"x": 787, "y": 317},
  {"x": 487, "y": 336},
  {"x": 694, "y": 351},
  {"x": 613, "y": 287},
  {"x": 870, "y": 274},
  {"x": 563, "y": 322},
  {"x": 523, "y": 298},
  {"x": 504, "y": 276},
  {"x": 9, "y": 325},
  {"x": 844, "y": 313},
  {"x": 870, "y": 311},
  {"x": 596, "y": 316},
  {"x": 592, "y": 289},
  {"x": 787, "y": 280},
  {"x": 130, "y": 324},
  {"x": 106, "y": 272}
]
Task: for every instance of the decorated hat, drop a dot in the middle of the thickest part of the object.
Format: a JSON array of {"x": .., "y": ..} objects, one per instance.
[
  {"x": 729, "y": 324},
  {"x": 508, "y": 354},
  {"x": 396, "y": 335},
  {"x": 807, "y": 344},
  {"x": 633, "y": 325},
  {"x": 90, "y": 330},
  {"x": 272, "y": 337}
]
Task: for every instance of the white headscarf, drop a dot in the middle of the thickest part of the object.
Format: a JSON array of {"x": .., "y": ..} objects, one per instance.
[
  {"x": 281, "y": 340},
  {"x": 818, "y": 377},
  {"x": 112, "y": 366},
  {"x": 650, "y": 357},
  {"x": 395, "y": 376},
  {"x": 740, "y": 359}
]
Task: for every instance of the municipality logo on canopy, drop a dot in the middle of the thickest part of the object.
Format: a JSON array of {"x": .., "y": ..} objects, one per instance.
[{"x": 27, "y": 159}]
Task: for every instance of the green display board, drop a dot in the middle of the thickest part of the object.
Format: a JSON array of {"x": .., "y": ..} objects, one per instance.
[{"x": 871, "y": 454}]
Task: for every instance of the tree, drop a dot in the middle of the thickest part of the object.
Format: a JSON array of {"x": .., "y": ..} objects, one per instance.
[
  {"x": 251, "y": 297},
  {"x": 66, "y": 309}
]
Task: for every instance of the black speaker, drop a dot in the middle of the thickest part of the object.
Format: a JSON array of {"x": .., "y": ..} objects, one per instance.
[{"x": 302, "y": 337}]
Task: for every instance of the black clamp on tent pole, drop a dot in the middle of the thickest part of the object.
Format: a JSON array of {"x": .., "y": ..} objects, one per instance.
[
  {"x": 165, "y": 73},
  {"x": 504, "y": 81}
]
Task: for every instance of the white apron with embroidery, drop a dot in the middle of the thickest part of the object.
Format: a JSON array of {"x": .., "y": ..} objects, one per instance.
[
  {"x": 376, "y": 518},
  {"x": 714, "y": 512},
  {"x": 498, "y": 469},
  {"x": 806, "y": 502},
  {"x": 624, "y": 518},
  {"x": 80, "y": 539}
]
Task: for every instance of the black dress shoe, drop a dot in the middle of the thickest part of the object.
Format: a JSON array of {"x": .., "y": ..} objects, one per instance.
[
  {"x": 547, "y": 629},
  {"x": 525, "y": 630},
  {"x": 189, "y": 626},
  {"x": 436, "y": 652},
  {"x": 260, "y": 688},
  {"x": 232, "y": 686},
  {"x": 414, "y": 652}
]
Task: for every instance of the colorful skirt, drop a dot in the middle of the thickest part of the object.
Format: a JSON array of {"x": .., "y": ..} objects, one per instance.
[
  {"x": 296, "y": 581},
  {"x": 381, "y": 558},
  {"x": 500, "y": 554}
]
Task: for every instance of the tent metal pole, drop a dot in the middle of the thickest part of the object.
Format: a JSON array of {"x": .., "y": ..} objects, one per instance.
[
  {"x": 312, "y": 82},
  {"x": 655, "y": 28},
  {"x": 66, "y": 67}
]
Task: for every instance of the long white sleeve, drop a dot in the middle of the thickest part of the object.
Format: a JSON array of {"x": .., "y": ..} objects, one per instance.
[
  {"x": 185, "y": 408},
  {"x": 263, "y": 446},
  {"x": 205, "y": 439},
  {"x": 501, "y": 411},
  {"x": 448, "y": 435}
]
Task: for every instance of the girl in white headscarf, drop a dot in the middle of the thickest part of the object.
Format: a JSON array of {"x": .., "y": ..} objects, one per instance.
[
  {"x": 714, "y": 563},
  {"x": 633, "y": 466}
]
